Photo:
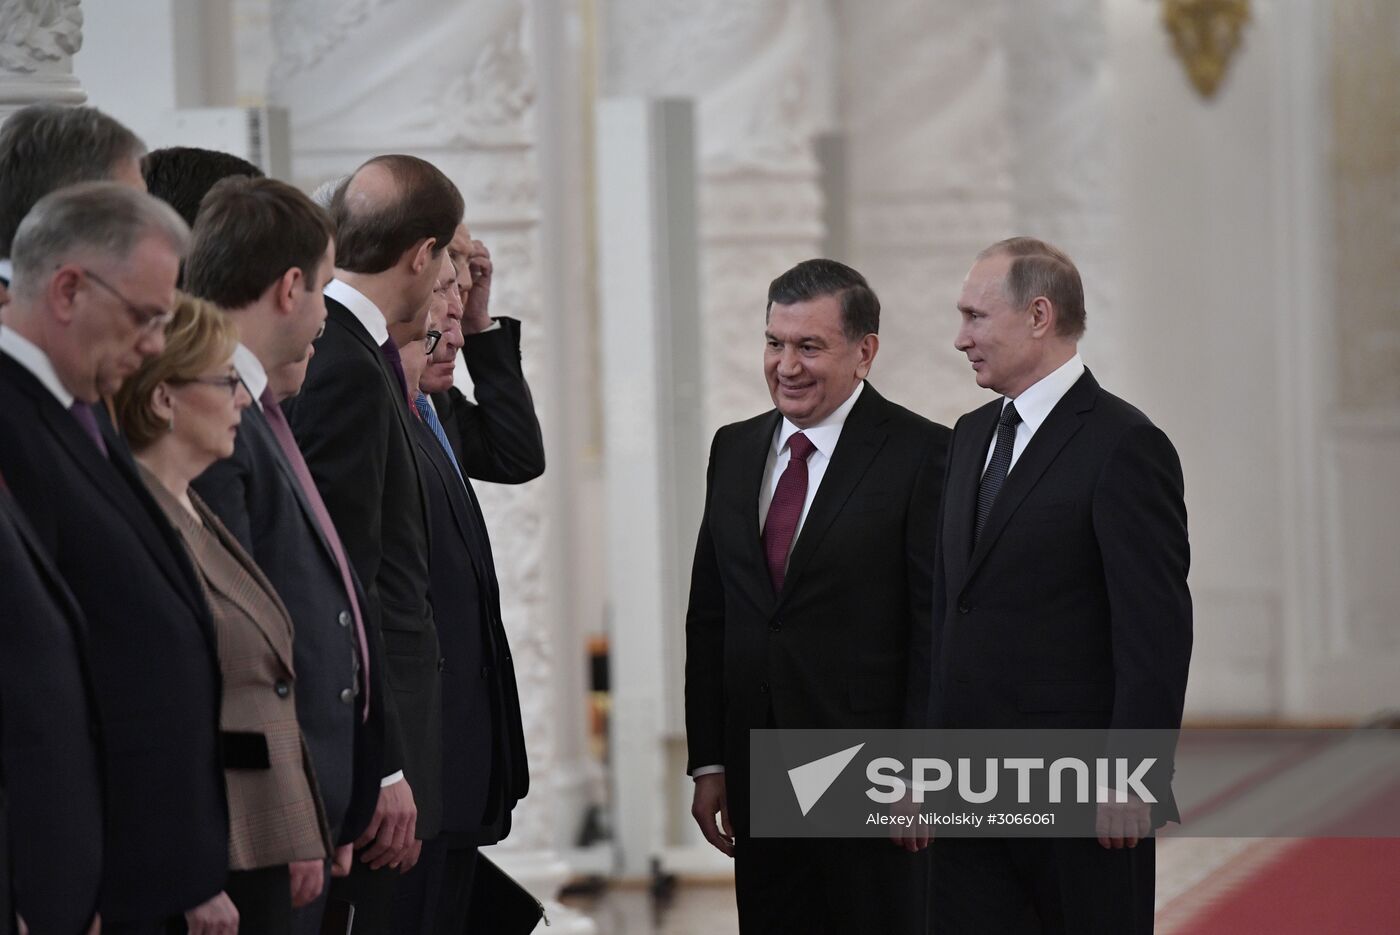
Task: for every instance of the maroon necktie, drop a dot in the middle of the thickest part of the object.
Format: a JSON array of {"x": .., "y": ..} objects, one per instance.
[
  {"x": 786, "y": 509},
  {"x": 283, "y": 433},
  {"x": 83, "y": 413}
]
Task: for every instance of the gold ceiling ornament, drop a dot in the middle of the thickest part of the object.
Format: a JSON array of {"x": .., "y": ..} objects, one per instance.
[{"x": 1206, "y": 35}]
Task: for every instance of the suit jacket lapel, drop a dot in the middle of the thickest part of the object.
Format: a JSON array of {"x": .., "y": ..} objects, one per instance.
[
  {"x": 1057, "y": 429},
  {"x": 456, "y": 496},
  {"x": 755, "y": 458},
  {"x": 255, "y": 421},
  {"x": 861, "y": 439},
  {"x": 960, "y": 495},
  {"x": 106, "y": 475}
]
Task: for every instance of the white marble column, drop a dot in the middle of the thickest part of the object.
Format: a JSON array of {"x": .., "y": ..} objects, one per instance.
[
  {"x": 455, "y": 83},
  {"x": 761, "y": 86},
  {"x": 1063, "y": 154},
  {"x": 924, "y": 106},
  {"x": 38, "y": 39}
]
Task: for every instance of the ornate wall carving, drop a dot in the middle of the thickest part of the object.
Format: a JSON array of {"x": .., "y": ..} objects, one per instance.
[{"x": 38, "y": 39}]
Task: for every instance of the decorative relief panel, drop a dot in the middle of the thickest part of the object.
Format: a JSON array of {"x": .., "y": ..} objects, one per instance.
[{"x": 34, "y": 34}]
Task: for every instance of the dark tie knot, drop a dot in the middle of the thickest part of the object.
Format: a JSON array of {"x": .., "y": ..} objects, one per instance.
[
  {"x": 1009, "y": 415},
  {"x": 801, "y": 447}
]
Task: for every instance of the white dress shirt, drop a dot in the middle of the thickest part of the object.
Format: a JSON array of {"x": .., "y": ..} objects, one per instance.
[
  {"x": 29, "y": 356},
  {"x": 362, "y": 307},
  {"x": 823, "y": 436},
  {"x": 251, "y": 372},
  {"x": 1034, "y": 405}
]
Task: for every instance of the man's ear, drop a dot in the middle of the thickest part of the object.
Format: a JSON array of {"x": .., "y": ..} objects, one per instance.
[
  {"x": 422, "y": 255},
  {"x": 1043, "y": 315},
  {"x": 62, "y": 293},
  {"x": 869, "y": 347},
  {"x": 286, "y": 290}
]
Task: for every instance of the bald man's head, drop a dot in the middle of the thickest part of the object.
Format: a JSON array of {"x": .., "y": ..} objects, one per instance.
[{"x": 389, "y": 206}]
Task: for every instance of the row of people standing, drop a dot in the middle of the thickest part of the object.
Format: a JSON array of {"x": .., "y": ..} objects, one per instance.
[{"x": 250, "y": 572}]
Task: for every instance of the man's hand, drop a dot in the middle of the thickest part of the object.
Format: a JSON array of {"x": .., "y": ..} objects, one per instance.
[
  {"x": 308, "y": 876},
  {"x": 913, "y": 837},
  {"x": 410, "y": 857},
  {"x": 390, "y": 831},
  {"x": 711, "y": 798},
  {"x": 1123, "y": 824},
  {"x": 216, "y": 917},
  {"x": 475, "y": 314},
  {"x": 340, "y": 864}
]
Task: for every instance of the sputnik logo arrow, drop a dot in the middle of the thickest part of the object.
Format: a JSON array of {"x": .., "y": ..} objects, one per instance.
[{"x": 811, "y": 780}]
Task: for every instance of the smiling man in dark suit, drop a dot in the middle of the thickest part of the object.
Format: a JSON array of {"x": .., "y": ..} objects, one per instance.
[
  {"x": 264, "y": 253},
  {"x": 810, "y": 600},
  {"x": 394, "y": 218},
  {"x": 1060, "y": 590},
  {"x": 95, "y": 268}
]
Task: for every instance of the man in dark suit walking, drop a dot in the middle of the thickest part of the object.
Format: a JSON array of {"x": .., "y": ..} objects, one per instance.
[
  {"x": 264, "y": 253},
  {"x": 484, "y": 771},
  {"x": 394, "y": 218},
  {"x": 810, "y": 600},
  {"x": 48, "y": 739},
  {"x": 1060, "y": 590},
  {"x": 95, "y": 268}
]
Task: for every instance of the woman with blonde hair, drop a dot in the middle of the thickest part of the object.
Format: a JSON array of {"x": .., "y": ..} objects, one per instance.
[{"x": 180, "y": 412}]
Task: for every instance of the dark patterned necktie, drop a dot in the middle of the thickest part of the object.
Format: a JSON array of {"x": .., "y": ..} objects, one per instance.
[
  {"x": 83, "y": 413},
  {"x": 995, "y": 475},
  {"x": 786, "y": 509}
]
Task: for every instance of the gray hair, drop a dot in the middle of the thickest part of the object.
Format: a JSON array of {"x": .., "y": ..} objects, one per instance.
[
  {"x": 325, "y": 192},
  {"x": 44, "y": 147},
  {"x": 105, "y": 219}
]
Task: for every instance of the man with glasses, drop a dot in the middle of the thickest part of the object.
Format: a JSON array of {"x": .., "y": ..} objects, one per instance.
[
  {"x": 484, "y": 770},
  {"x": 94, "y": 281},
  {"x": 46, "y": 146},
  {"x": 264, "y": 253}
]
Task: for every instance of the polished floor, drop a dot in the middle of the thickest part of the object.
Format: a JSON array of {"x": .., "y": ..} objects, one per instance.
[{"x": 696, "y": 909}]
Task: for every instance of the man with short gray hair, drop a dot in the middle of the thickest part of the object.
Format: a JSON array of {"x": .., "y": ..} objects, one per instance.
[
  {"x": 44, "y": 147},
  {"x": 95, "y": 267}
]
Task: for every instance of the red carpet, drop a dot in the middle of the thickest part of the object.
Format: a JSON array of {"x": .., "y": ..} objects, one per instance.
[
  {"x": 1345, "y": 885},
  {"x": 1326, "y": 885}
]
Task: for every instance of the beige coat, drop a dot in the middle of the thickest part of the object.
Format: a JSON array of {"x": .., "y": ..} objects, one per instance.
[{"x": 275, "y": 813}]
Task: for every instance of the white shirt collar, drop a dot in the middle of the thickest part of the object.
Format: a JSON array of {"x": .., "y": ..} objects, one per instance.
[
  {"x": 251, "y": 372},
  {"x": 1036, "y": 401},
  {"x": 7, "y": 270},
  {"x": 364, "y": 309},
  {"x": 29, "y": 356},
  {"x": 826, "y": 433}
]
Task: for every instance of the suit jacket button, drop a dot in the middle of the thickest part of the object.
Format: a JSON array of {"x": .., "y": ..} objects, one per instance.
[
  {"x": 282, "y": 689},
  {"x": 344, "y": 618},
  {"x": 963, "y": 607},
  {"x": 347, "y": 695},
  {"x": 486, "y": 672},
  {"x": 442, "y": 663},
  {"x": 763, "y": 688},
  {"x": 775, "y": 626}
]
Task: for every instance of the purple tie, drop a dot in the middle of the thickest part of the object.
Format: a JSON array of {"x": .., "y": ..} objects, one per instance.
[
  {"x": 83, "y": 413},
  {"x": 390, "y": 350},
  {"x": 786, "y": 509},
  {"x": 288, "y": 443}
]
